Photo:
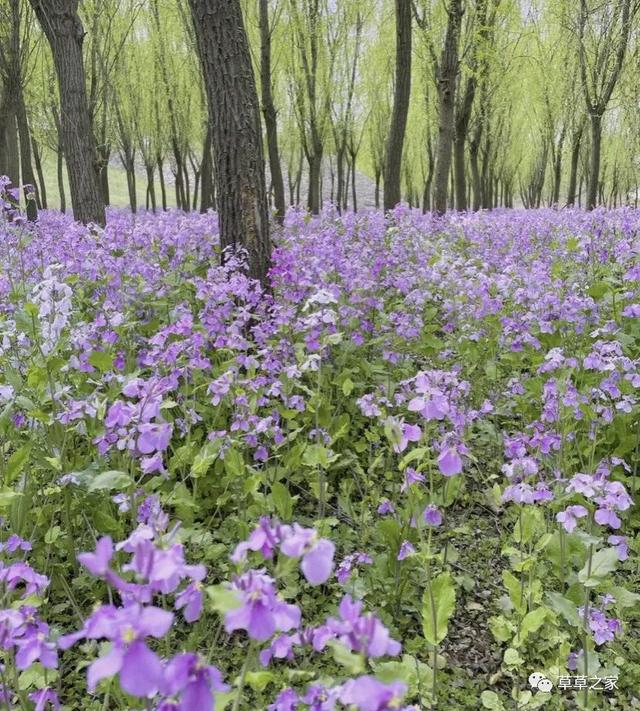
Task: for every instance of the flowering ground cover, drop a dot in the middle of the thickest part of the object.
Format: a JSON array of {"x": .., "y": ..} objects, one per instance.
[{"x": 402, "y": 479}]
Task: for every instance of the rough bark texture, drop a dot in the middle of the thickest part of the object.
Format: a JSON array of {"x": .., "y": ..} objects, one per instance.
[
  {"x": 237, "y": 141},
  {"x": 62, "y": 27},
  {"x": 28, "y": 177},
  {"x": 575, "y": 156},
  {"x": 395, "y": 140},
  {"x": 447, "y": 72},
  {"x": 269, "y": 112}
]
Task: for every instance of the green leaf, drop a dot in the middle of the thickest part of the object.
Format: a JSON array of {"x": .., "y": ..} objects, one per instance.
[
  {"x": 491, "y": 700},
  {"x": 108, "y": 481},
  {"x": 205, "y": 458},
  {"x": 565, "y": 607},
  {"x": 438, "y": 605},
  {"x": 512, "y": 658},
  {"x": 532, "y": 622},
  {"x": 222, "y": 599},
  {"x": 8, "y": 496},
  {"x": 101, "y": 360},
  {"x": 234, "y": 463},
  {"x": 624, "y": 598},
  {"x": 603, "y": 562},
  {"x": 353, "y": 663},
  {"x": 347, "y": 387},
  {"x": 16, "y": 463},
  {"x": 515, "y": 591},
  {"x": 259, "y": 680},
  {"x": 282, "y": 500}
]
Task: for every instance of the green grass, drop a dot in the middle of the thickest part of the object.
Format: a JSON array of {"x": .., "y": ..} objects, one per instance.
[{"x": 118, "y": 192}]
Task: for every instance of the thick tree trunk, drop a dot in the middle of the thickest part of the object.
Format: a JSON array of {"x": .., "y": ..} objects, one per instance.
[
  {"x": 376, "y": 195},
  {"x": 269, "y": 112},
  {"x": 446, "y": 78},
  {"x": 395, "y": 140},
  {"x": 62, "y": 27},
  {"x": 237, "y": 136},
  {"x": 594, "y": 172},
  {"x": 12, "y": 146},
  {"x": 151, "y": 188}
]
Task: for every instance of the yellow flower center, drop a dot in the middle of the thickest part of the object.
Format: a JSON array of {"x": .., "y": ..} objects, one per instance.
[{"x": 128, "y": 634}]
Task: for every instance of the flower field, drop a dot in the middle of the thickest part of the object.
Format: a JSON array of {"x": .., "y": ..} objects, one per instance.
[{"x": 404, "y": 478}]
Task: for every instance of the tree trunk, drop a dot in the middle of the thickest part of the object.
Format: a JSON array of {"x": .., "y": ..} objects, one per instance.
[
  {"x": 37, "y": 158},
  {"x": 573, "y": 174},
  {"x": 594, "y": 172},
  {"x": 395, "y": 141},
  {"x": 28, "y": 178},
  {"x": 12, "y": 146},
  {"x": 237, "y": 136},
  {"x": 269, "y": 112},
  {"x": 315, "y": 171},
  {"x": 446, "y": 74},
  {"x": 163, "y": 187},
  {"x": 62, "y": 27},
  {"x": 206, "y": 168}
]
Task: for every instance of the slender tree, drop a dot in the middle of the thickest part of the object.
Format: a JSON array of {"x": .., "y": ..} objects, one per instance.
[
  {"x": 446, "y": 77},
  {"x": 64, "y": 32},
  {"x": 269, "y": 111},
  {"x": 400, "y": 111},
  {"x": 599, "y": 74},
  {"x": 237, "y": 137}
]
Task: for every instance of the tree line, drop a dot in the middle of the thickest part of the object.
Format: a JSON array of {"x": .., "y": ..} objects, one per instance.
[{"x": 445, "y": 104}]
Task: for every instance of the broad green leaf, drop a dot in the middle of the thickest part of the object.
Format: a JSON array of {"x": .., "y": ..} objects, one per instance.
[
  {"x": 8, "y": 496},
  {"x": 234, "y": 463},
  {"x": 101, "y": 360},
  {"x": 491, "y": 700},
  {"x": 259, "y": 680},
  {"x": 565, "y": 607},
  {"x": 512, "y": 658},
  {"x": 603, "y": 562},
  {"x": 282, "y": 500},
  {"x": 353, "y": 663},
  {"x": 223, "y": 599},
  {"x": 438, "y": 605},
  {"x": 515, "y": 590},
  {"x": 111, "y": 480},
  {"x": 205, "y": 458},
  {"x": 624, "y": 597},
  {"x": 532, "y": 622},
  {"x": 16, "y": 463}
]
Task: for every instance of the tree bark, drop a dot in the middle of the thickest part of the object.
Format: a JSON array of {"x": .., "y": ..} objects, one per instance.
[
  {"x": 594, "y": 171},
  {"x": 206, "y": 189},
  {"x": 64, "y": 32},
  {"x": 37, "y": 159},
  {"x": 400, "y": 112},
  {"x": 28, "y": 178},
  {"x": 269, "y": 112},
  {"x": 573, "y": 173},
  {"x": 446, "y": 75},
  {"x": 233, "y": 105}
]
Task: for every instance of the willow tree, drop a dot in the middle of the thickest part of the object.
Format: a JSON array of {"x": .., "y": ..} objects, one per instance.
[
  {"x": 603, "y": 35},
  {"x": 237, "y": 136},
  {"x": 64, "y": 32}
]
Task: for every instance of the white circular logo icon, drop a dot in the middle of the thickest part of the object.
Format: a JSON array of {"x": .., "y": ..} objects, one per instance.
[{"x": 539, "y": 681}]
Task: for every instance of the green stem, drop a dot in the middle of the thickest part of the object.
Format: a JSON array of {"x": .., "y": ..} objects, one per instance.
[{"x": 243, "y": 675}]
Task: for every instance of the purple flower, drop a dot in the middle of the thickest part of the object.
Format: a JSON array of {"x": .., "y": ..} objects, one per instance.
[
  {"x": 98, "y": 563},
  {"x": 386, "y": 507},
  {"x": 606, "y": 516},
  {"x": 620, "y": 544},
  {"x": 45, "y": 696},
  {"x": 261, "y": 612},
  {"x": 317, "y": 553},
  {"x": 191, "y": 599},
  {"x": 187, "y": 676},
  {"x": 568, "y": 517},
  {"x": 265, "y": 538},
  {"x": 406, "y": 549},
  {"x": 368, "y": 694},
  {"x": 411, "y": 476},
  {"x": 450, "y": 462},
  {"x": 287, "y": 700},
  {"x": 432, "y": 516},
  {"x": 140, "y": 670}
]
